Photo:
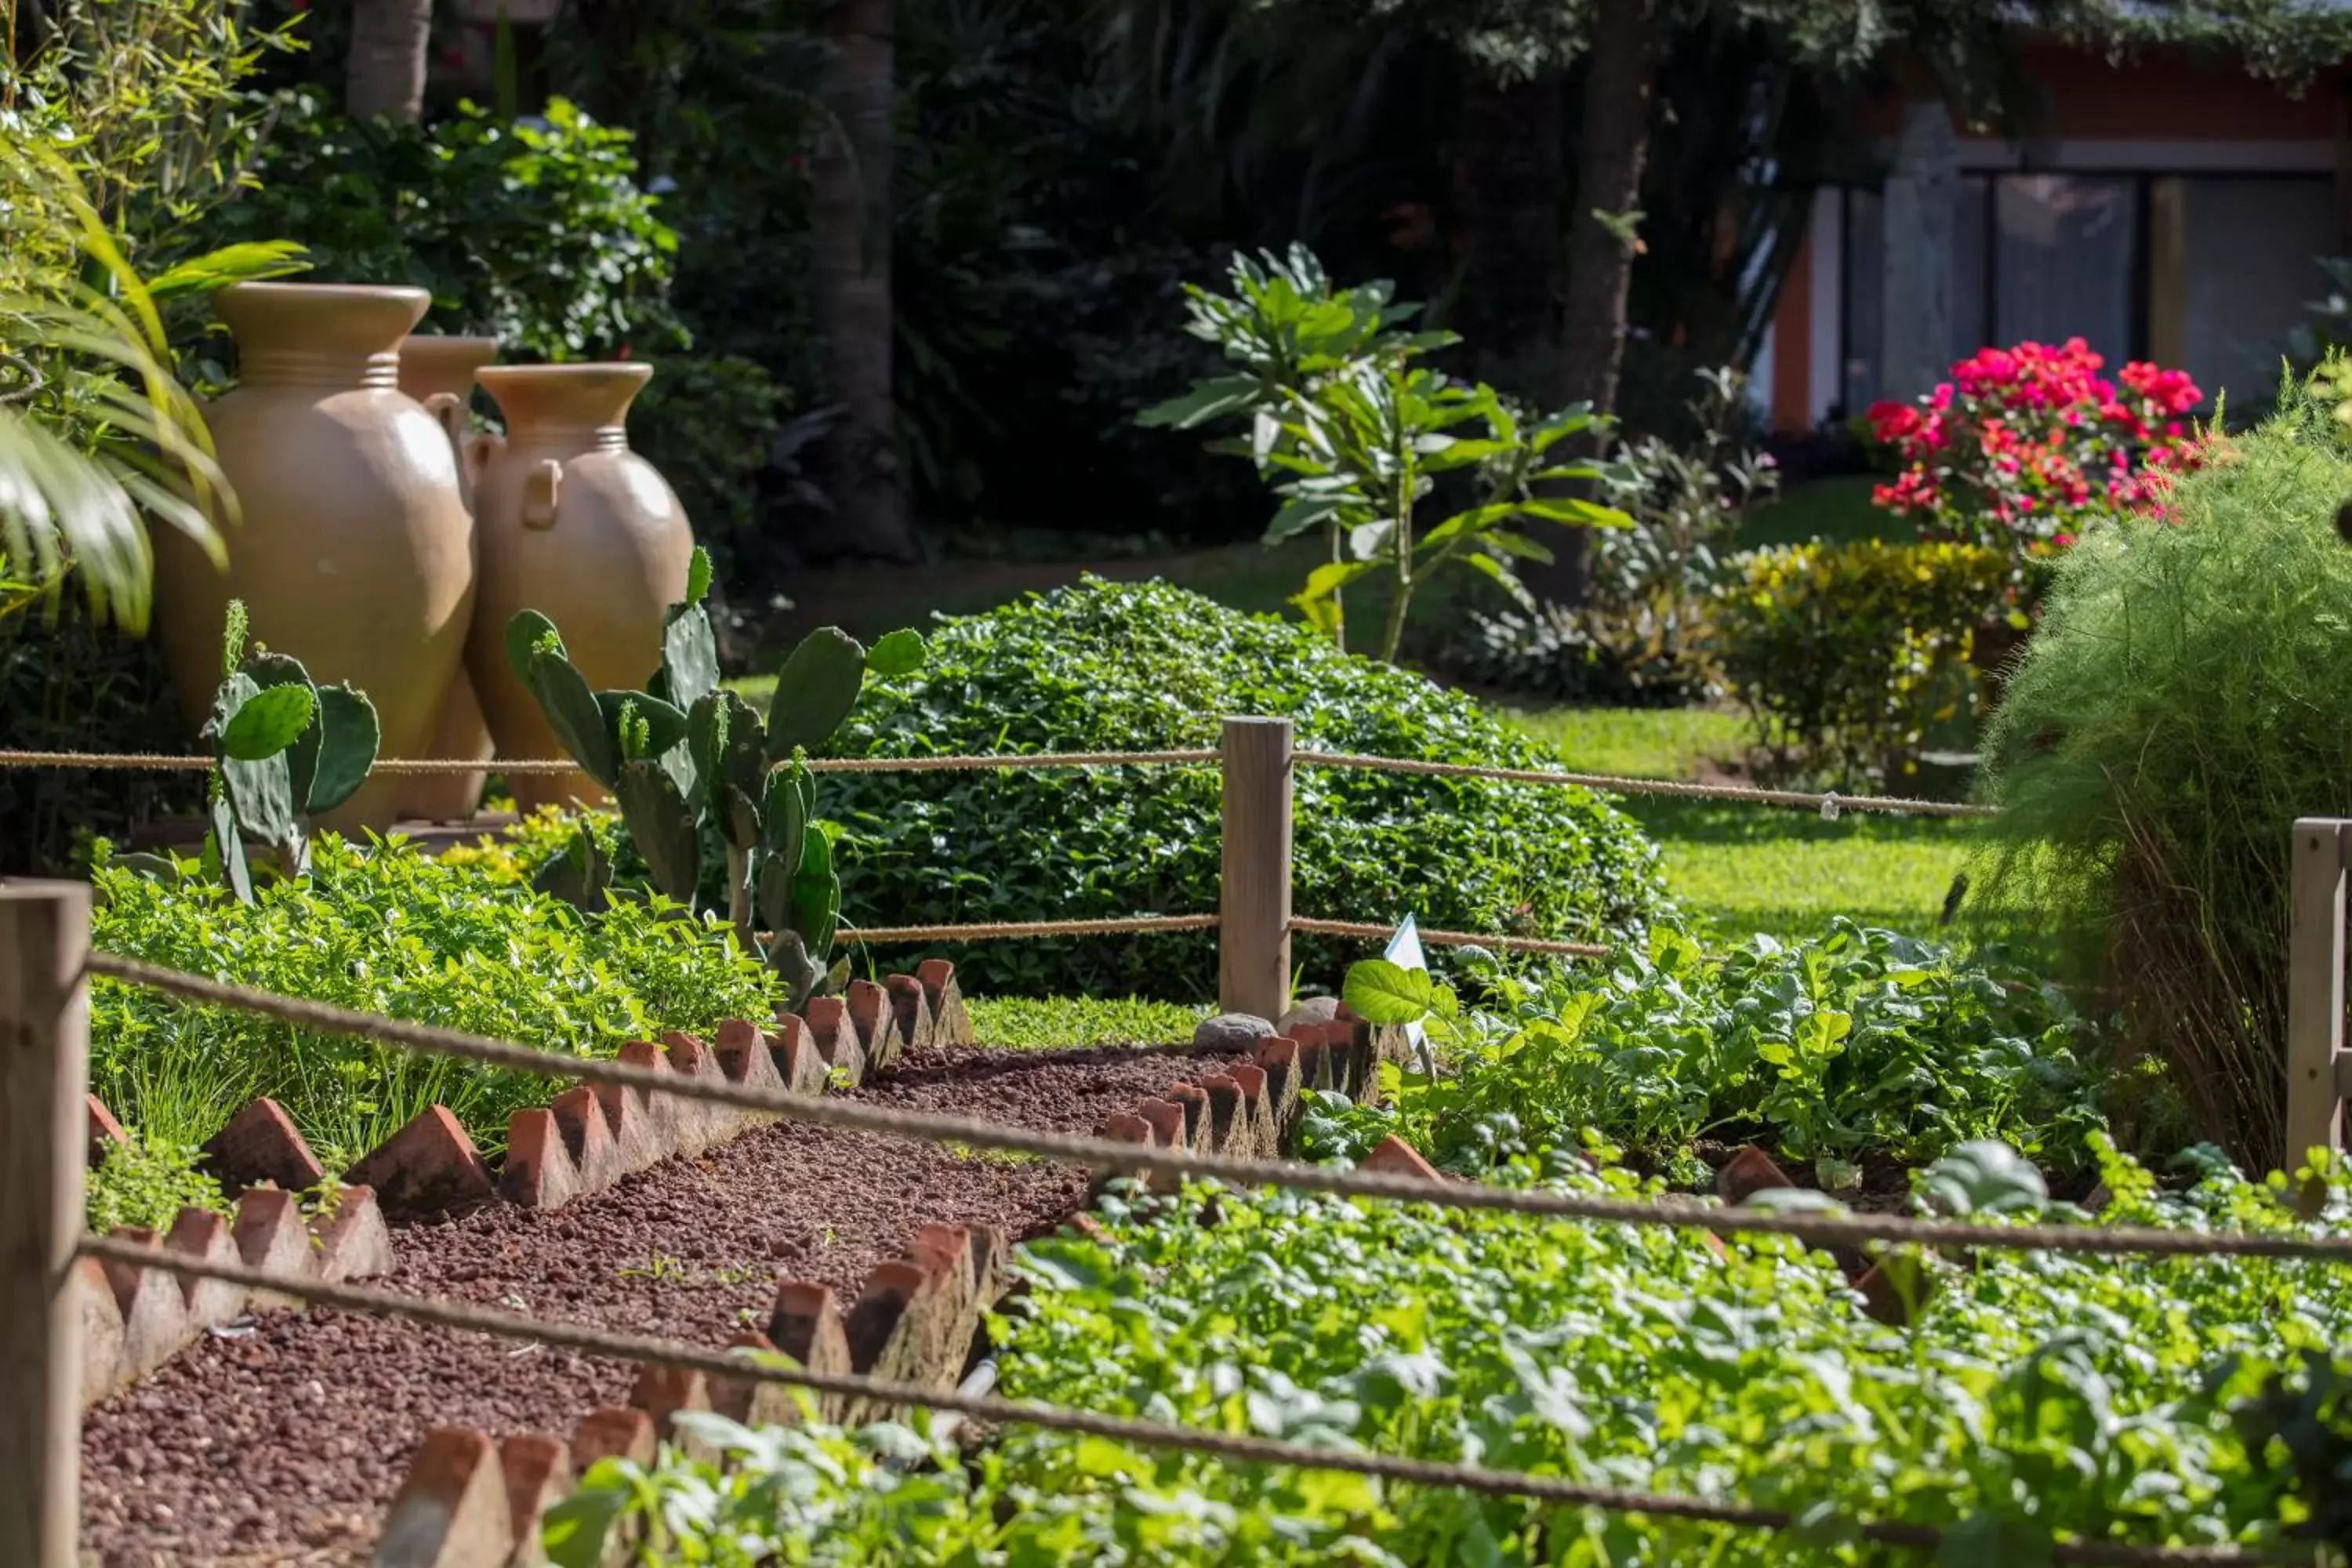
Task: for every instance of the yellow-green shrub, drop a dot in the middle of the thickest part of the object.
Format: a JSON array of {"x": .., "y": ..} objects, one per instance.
[{"x": 1846, "y": 656}]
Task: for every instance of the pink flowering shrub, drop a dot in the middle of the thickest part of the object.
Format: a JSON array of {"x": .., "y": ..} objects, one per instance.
[{"x": 2024, "y": 445}]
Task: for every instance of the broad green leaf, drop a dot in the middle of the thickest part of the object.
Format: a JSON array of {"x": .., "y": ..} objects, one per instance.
[
  {"x": 1505, "y": 579},
  {"x": 1298, "y": 514},
  {"x": 1206, "y": 401},
  {"x": 248, "y": 262},
  {"x": 1384, "y": 992}
]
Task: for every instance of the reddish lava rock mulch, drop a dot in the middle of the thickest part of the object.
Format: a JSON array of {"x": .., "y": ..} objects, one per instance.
[{"x": 284, "y": 1443}]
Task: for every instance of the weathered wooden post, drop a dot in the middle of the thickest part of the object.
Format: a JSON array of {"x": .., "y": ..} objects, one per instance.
[
  {"x": 2316, "y": 1059},
  {"x": 44, "y": 1144},
  {"x": 1254, "y": 904}
]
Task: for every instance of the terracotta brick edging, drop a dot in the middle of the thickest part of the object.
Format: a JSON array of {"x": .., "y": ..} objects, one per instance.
[
  {"x": 471, "y": 1502},
  {"x": 584, "y": 1141}
]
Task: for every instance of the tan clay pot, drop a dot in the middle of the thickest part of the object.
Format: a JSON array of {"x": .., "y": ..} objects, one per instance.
[
  {"x": 575, "y": 526},
  {"x": 355, "y": 553},
  {"x": 438, "y": 373}
]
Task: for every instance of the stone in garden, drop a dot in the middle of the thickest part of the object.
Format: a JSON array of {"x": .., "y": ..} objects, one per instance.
[
  {"x": 429, "y": 1166},
  {"x": 911, "y": 1007},
  {"x": 587, "y": 1137},
  {"x": 206, "y": 1236},
  {"x": 877, "y": 1025},
  {"x": 1314, "y": 1010},
  {"x": 451, "y": 1510},
  {"x": 1749, "y": 1171},
  {"x": 1229, "y": 1032},
  {"x": 271, "y": 1237},
  {"x": 106, "y": 1134},
  {"x": 101, "y": 1330},
  {"x": 261, "y": 1144},
  {"x": 1393, "y": 1156},
  {"x": 536, "y": 1470},
  {"x": 353, "y": 1241},
  {"x": 951, "y": 1023},
  {"x": 614, "y": 1433},
  {"x": 539, "y": 1171}
]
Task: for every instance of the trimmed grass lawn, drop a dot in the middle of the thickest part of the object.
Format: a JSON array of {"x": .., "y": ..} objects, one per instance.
[
  {"x": 1740, "y": 869},
  {"x": 1059, "y": 1022}
]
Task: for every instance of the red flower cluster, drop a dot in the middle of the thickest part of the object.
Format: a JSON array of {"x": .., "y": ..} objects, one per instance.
[{"x": 2024, "y": 445}]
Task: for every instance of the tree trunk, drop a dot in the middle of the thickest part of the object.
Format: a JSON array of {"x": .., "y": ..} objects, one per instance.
[
  {"x": 850, "y": 186},
  {"x": 1508, "y": 177},
  {"x": 1613, "y": 142},
  {"x": 384, "y": 73}
]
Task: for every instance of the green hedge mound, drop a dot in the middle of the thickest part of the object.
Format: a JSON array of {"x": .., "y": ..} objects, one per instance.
[{"x": 1145, "y": 666}]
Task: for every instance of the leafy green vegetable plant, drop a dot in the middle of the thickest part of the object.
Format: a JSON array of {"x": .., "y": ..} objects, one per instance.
[
  {"x": 686, "y": 758},
  {"x": 1355, "y": 437},
  {"x": 1860, "y": 1042},
  {"x": 386, "y": 929},
  {"x": 2035, "y": 1398}
]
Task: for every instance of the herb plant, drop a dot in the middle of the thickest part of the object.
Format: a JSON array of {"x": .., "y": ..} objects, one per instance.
[{"x": 147, "y": 1182}]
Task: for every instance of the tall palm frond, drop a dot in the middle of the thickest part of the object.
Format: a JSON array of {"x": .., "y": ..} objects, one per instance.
[{"x": 102, "y": 437}]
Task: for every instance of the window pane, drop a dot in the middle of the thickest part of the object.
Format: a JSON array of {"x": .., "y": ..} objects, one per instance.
[
  {"x": 1865, "y": 280},
  {"x": 2062, "y": 261},
  {"x": 2249, "y": 247},
  {"x": 1971, "y": 213}
]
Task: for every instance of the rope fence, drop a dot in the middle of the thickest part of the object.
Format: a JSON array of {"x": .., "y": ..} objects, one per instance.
[
  {"x": 587, "y": 1340},
  {"x": 1830, "y": 803},
  {"x": 1115, "y": 1157}
]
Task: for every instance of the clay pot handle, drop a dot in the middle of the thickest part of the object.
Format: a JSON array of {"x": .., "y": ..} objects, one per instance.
[
  {"x": 540, "y": 489},
  {"x": 449, "y": 410}
]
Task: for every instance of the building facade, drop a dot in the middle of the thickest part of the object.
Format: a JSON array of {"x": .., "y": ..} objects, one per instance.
[{"x": 2170, "y": 210}]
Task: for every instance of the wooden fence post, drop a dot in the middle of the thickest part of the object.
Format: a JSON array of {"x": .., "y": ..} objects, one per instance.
[
  {"x": 44, "y": 1146},
  {"x": 2315, "y": 986},
  {"x": 1254, "y": 901}
]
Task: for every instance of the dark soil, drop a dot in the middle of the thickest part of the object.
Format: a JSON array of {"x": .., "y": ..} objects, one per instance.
[{"x": 284, "y": 1442}]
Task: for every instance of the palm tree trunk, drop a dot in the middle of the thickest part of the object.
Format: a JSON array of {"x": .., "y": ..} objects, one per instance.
[
  {"x": 851, "y": 213},
  {"x": 384, "y": 73},
  {"x": 1613, "y": 145}
]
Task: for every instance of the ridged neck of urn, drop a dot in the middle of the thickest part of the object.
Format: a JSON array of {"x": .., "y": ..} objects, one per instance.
[
  {"x": 431, "y": 363},
  {"x": 573, "y": 405},
  {"x": 339, "y": 335}
]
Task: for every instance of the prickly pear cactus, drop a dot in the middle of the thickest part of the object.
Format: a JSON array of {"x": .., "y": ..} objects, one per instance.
[
  {"x": 285, "y": 749},
  {"x": 691, "y": 763}
]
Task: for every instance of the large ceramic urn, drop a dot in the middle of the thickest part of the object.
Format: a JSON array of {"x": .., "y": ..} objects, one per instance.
[
  {"x": 438, "y": 371},
  {"x": 354, "y": 552},
  {"x": 575, "y": 526}
]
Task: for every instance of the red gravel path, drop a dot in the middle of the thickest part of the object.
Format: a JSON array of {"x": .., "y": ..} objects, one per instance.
[{"x": 284, "y": 1445}]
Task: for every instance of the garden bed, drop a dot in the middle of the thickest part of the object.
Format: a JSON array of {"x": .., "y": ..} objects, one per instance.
[{"x": 287, "y": 1440}]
